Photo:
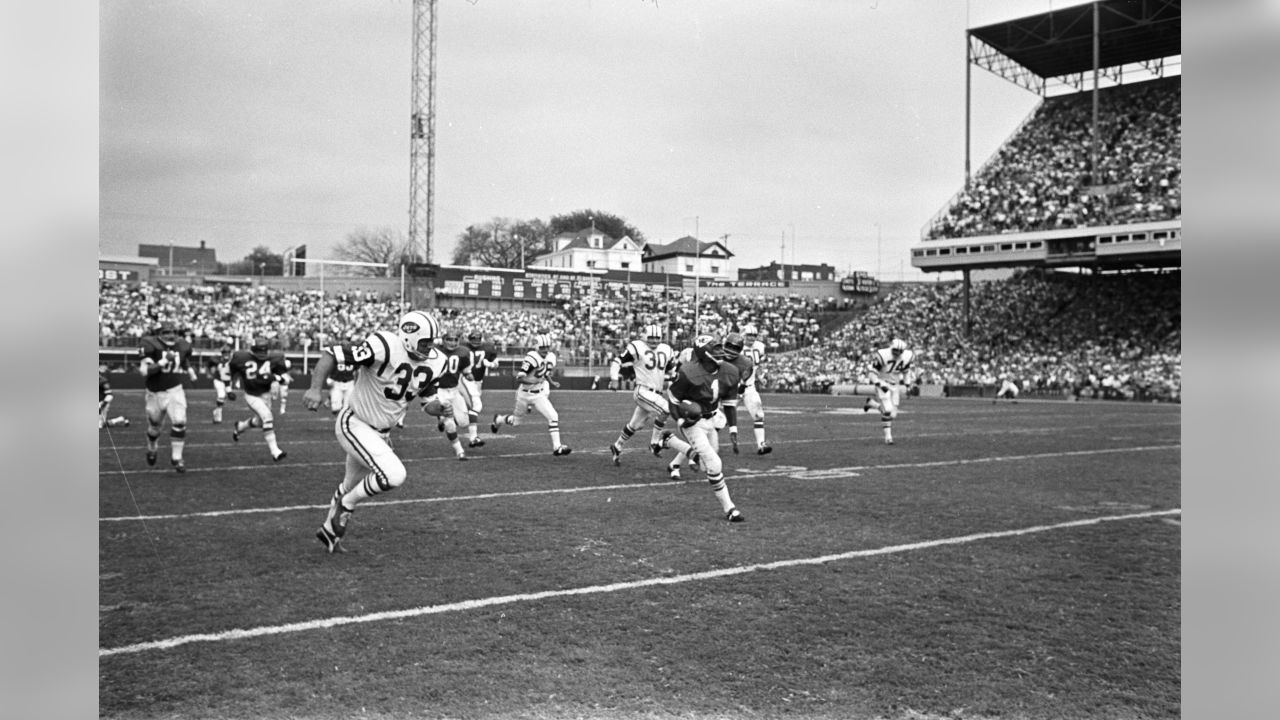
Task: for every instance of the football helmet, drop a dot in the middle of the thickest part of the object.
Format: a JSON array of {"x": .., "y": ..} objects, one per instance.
[
  {"x": 449, "y": 340},
  {"x": 542, "y": 341},
  {"x": 167, "y": 332},
  {"x": 750, "y": 332},
  {"x": 897, "y": 346},
  {"x": 418, "y": 331},
  {"x": 733, "y": 345},
  {"x": 474, "y": 338},
  {"x": 652, "y": 333},
  {"x": 259, "y": 347}
]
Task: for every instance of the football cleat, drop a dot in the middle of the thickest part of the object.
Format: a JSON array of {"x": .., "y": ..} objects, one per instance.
[
  {"x": 734, "y": 516},
  {"x": 762, "y": 450},
  {"x": 151, "y": 457},
  {"x": 656, "y": 449},
  {"x": 673, "y": 470},
  {"x": 179, "y": 466},
  {"x": 281, "y": 456},
  {"x": 562, "y": 450},
  {"x": 493, "y": 426},
  {"x": 463, "y": 457},
  {"x": 235, "y": 433},
  {"x": 332, "y": 542},
  {"x": 866, "y": 406},
  {"x": 888, "y": 441},
  {"x": 616, "y": 453},
  {"x": 733, "y": 440},
  {"x": 476, "y": 442}
]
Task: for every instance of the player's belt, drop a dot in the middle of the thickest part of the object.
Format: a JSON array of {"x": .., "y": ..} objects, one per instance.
[
  {"x": 533, "y": 390},
  {"x": 648, "y": 387}
]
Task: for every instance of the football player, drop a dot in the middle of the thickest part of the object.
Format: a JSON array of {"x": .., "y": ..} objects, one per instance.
[
  {"x": 280, "y": 385},
  {"x": 694, "y": 397},
  {"x": 166, "y": 363},
  {"x": 104, "y": 406},
  {"x": 392, "y": 368},
  {"x": 218, "y": 368},
  {"x": 1008, "y": 389},
  {"x": 340, "y": 383},
  {"x": 484, "y": 358},
  {"x": 890, "y": 366},
  {"x": 257, "y": 370},
  {"x": 647, "y": 362},
  {"x": 750, "y": 394},
  {"x": 534, "y": 382},
  {"x": 449, "y": 404}
]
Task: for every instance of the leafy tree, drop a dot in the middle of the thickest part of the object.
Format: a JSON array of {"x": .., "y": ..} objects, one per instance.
[
  {"x": 502, "y": 242},
  {"x": 607, "y": 223},
  {"x": 260, "y": 261},
  {"x": 379, "y": 245}
]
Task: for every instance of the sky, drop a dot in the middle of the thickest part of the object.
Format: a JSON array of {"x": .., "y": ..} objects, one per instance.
[{"x": 806, "y": 131}]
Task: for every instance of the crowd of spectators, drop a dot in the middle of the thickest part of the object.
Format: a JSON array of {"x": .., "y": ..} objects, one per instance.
[
  {"x": 1041, "y": 179},
  {"x": 587, "y": 327},
  {"x": 1116, "y": 335}
]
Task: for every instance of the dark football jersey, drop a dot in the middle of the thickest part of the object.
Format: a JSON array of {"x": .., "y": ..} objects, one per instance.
[
  {"x": 343, "y": 371},
  {"x": 174, "y": 362},
  {"x": 456, "y": 364},
  {"x": 104, "y": 388},
  {"x": 695, "y": 381},
  {"x": 257, "y": 373},
  {"x": 480, "y": 354}
]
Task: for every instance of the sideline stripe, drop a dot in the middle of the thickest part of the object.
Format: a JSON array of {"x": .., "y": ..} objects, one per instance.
[
  {"x": 784, "y": 471},
  {"x": 239, "y": 634}
]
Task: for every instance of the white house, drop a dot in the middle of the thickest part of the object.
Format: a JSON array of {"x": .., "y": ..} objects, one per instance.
[
  {"x": 689, "y": 257},
  {"x": 590, "y": 249}
]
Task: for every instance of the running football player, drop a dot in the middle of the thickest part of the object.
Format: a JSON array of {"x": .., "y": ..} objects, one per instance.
[
  {"x": 534, "y": 382},
  {"x": 646, "y": 361},
  {"x": 166, "y": 364},
  {"x": 256, "y": 370}
]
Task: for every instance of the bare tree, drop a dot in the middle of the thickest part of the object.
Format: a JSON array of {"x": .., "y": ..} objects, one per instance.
[{"x": 378, "y": 245}]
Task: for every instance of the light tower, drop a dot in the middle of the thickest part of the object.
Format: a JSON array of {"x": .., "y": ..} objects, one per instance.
[{"x": 422, "y": 130}]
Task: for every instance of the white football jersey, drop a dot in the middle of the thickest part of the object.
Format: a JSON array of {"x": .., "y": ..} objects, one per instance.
[
  {"x": 649, "y": 363},
  {"x": 387, "y": 379},
  {"x": 890, "y": 368},
  {"x": 755, "y": 351},
  {"x": 537, "y": 369}
]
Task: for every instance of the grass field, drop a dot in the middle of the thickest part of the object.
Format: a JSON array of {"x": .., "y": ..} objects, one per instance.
[{"x": 1010, "y": 561}]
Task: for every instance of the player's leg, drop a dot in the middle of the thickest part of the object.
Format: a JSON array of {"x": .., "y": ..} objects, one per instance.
[
  {"x": 176, "y": 409},
  {"x": 888, "y": 411},
  {"x": 682, "y": 447},
  {"x": 542, "y": 404},
  {"x": 219, "y": 399},
  {"x": 518, "y": 411},
  {"x": 729, "y": 408},
  {"x": 700, "y": 437},
  {"x": 471, "y": 393},
  {"x": 751, "y": 399},
  {"x": 637, "y": 420},
  {"x": 155, "y": 418},
  {"x": 261, "y": 407},
  {"x": 372, "y": 467}
]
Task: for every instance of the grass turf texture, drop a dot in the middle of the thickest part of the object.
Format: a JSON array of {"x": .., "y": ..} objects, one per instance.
[{"x": 1067, "y": 621}]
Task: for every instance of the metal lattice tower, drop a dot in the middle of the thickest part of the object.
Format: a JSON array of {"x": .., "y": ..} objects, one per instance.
[{"x": 422, "y": 130}]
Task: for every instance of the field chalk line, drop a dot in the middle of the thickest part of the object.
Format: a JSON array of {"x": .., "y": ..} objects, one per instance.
[
  {"x": 239, "y": 634},
  {"x": 782, "y": 471}
]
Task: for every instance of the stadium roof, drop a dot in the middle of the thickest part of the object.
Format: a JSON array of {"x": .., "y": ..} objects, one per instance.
[{"x": 1060, "y": 42}]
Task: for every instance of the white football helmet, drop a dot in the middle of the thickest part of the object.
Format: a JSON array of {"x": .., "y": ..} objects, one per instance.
[
  {"x": 750, "y": 332},
  {"x": 542, "y": 342},
  {"x": 652, "y": 333},
  {"x": 418, "y": 331},
  {"x": 897, "y": 346}
]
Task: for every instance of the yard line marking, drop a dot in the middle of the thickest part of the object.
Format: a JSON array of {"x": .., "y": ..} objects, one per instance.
[
  {"x": 266, "y": 630},
  {"x": 783, "y": 471}
]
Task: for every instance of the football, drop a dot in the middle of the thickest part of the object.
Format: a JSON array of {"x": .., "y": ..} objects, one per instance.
[{"x": 690, "y": 410}]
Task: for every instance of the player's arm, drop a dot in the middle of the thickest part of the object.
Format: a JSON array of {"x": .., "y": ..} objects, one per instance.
[{"x": 314, "y": 396}]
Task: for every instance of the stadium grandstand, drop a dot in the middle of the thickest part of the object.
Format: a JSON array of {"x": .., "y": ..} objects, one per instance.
[{"x": 1092, "y": 179}]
